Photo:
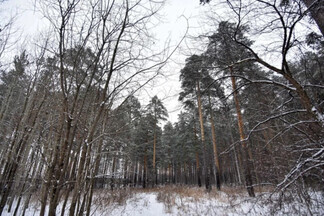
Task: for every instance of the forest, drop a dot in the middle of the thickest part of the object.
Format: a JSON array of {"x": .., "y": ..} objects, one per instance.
[{"x": 75, "y": 133}]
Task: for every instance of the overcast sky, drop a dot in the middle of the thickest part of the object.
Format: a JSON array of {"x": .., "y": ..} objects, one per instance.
[
  {"x": 175, "y": 13},
  {"x": 178, "y": 13}
]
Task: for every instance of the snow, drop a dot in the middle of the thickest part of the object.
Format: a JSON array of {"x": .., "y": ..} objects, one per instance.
[
  {"x": 139, "y": 204},
  {"x": 320, "y": 116},
  {"x": 190, "y": 201}
]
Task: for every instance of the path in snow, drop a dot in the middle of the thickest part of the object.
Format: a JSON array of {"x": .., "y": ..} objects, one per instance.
[{"x": 188, "y": 202}]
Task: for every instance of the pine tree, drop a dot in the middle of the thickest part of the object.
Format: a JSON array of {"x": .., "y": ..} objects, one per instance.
[
  {"x": 191, "y": 77},
  {"x": 223, "y": 52},
  {"x": 157, "y": 110}
]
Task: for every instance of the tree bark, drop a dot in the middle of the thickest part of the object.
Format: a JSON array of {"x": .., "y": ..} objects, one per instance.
[
  {"x": 145, "y": 170},
  {"x": 317, "y": 12},
  {"x": 207, "y": 176},
  {"x": 154, "y": 153},
  {"x": 216, "y": 159},
  {"x": 247, "y": 159}
]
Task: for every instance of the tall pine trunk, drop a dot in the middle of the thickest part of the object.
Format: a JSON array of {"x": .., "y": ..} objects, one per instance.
[
  {"x": 198, "y": 170},
  {"x": 216, "y": 159},
  {"x": 145, "y": 170},
  {"x": 206, "y": 174},
  {"x": 247, "y": 158},
  {"x": 154, "y": 180}
]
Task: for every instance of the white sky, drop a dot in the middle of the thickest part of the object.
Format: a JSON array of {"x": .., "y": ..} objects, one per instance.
[
  {"x": 175, "y": 13},
  {"x": 178, "y": 14}
]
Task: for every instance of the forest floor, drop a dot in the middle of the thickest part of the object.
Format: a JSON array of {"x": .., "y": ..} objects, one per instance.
[{"x": 180, "y": 200}]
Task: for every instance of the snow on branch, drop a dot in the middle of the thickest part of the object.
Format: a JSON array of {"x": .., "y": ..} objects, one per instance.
[
  {"x": 272, "y": 118},
  {"x": 316, "y": 160}
]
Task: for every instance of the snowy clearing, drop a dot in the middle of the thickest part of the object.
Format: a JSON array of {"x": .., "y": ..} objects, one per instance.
[{"x": 190, "y": 201}]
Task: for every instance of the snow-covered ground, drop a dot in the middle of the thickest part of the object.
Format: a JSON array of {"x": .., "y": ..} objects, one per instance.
[{"x": 192, "y": 201}]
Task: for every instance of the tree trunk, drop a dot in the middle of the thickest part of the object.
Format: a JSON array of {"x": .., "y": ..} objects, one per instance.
[
  {"x": 207, "y": 177},
  {"x": 218, "y": 170},
  {"x": 154, "y": 153},
  {"x": 198, "y": 170},
  {"x": 145, "y": 170},
  {"x": 20, "y": 146},
  {"x": 135, "y": 173},
  {"x": 112, "y": 180},
  {"x": 317, "y": 12},
  {"x": 94, "y": 172},
  {"x": 247, "y": 159}
]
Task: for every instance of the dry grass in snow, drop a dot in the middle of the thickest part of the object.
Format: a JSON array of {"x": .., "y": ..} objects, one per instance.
[{"x": 192, "y": 201}]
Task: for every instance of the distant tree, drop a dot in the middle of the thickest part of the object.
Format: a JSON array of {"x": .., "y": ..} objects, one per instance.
[
  {"x": 214, "y": 90},
  {"x": 169, "y": 140},
  {"x": 191, "y": 77},
  {"x": 222, "y": 52},
  {"x": 144, "y": 137},
  {"x": 157, "y": 110},
  {"x": 20, "y": 111}
]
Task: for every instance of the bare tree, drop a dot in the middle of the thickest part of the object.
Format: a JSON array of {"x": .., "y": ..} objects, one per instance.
[
  {"x": 285, "y": 23},
  {"x": 114, "y": 38},
  {"x": 6, "y": 34}
]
